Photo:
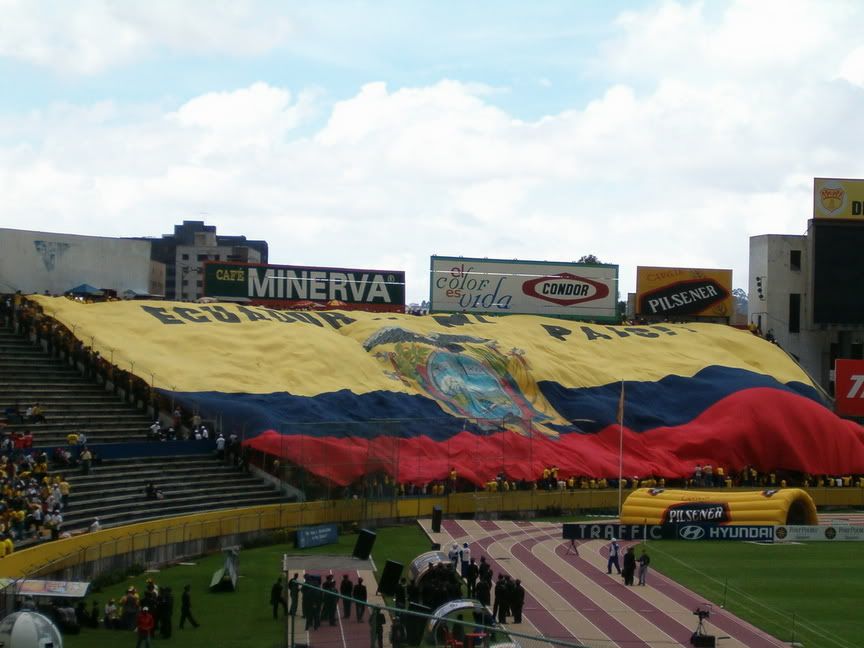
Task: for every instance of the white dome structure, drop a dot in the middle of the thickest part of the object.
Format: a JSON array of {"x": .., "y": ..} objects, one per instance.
[{"x": 27, "y": 629}]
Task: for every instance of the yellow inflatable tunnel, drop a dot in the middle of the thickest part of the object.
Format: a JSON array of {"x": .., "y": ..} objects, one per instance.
[{"x": 766, "y": 507}]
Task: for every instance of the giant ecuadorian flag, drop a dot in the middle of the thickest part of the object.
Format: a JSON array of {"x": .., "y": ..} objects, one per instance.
[{"x": 349, "y": 394}]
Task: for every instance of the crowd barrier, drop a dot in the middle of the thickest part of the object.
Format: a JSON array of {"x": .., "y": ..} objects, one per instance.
[{"x": 172, "y": 538}]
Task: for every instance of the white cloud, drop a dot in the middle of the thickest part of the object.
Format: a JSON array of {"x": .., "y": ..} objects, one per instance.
[
  {"x": 90, "y": 36},
  {"x": 679, "y": 168}
]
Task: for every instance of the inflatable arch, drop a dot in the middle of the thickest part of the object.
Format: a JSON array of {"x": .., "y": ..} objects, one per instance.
[{"x": 765, "y": 507}]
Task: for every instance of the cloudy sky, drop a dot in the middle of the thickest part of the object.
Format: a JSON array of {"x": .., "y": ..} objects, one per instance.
[{"x": 374, "y": 134}]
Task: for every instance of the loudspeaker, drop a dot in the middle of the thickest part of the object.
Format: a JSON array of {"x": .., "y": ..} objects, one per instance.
[
  {"x": 703, "y": 641},
  {"x": 436, "y": 519},
  {"x": 363, "y": 546},
  {"x": 390, "y": 577}
]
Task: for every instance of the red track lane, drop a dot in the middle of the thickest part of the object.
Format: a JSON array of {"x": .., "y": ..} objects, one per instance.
[
  {"x": 327, "y": 636},
  {"x": 605, "y": 622},
  {"x": 542, "y": 619},
  {"x": 731, "y": 625},
  {"x": 628, "y": 597}
]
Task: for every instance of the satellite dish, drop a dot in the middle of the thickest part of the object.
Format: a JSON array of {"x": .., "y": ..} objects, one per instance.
[{"x": 27, "y": 629}]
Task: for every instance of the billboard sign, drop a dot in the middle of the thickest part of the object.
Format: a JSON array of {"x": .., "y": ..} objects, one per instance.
[
  {"x": 306, "y": 287},
  {"x": 849, "y": 387},
  {"x": 676, "y": 292},
  {"x": 579, "y": 290},
  {"x": 687, "y": 531},
  {"x": 316, "y": 536},
  {"x": 822, "y": 533},
  {"x": 838, "y": 198}
]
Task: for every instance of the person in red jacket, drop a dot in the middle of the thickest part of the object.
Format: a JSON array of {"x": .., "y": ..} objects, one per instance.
[{"x": 144, "y": 626}]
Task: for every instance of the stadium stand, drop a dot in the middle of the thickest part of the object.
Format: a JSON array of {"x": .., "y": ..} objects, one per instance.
[{"x": 74, "y": 406}]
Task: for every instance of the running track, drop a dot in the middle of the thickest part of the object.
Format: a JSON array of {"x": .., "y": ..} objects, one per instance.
[{"x": 572, "y": 598}]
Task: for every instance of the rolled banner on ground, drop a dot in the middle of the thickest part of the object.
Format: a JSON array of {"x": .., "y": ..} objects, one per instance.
[{"x": 758, "y": 507}]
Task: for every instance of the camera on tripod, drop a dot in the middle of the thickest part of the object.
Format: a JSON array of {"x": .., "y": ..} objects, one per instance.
[
  {"x": 699, "y": 638},
  {"x": 702, "y": 613}
]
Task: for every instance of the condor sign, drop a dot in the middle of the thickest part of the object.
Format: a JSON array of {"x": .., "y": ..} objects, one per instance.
[
  {"x": 663, "y": 292},
  {"x": 296, "y": 287},
  {"x": 578, "y": 290}
]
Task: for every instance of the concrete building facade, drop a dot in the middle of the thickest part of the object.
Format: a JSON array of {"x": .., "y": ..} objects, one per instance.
[
  {"x": 192, "y": 243},
  {"x": 36, "y": 262},
  {"x": 781, "y": 306}
]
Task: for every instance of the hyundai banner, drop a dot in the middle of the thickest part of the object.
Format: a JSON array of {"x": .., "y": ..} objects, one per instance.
[
  {"x": 496, "y": 286},
  {"x": 690, "y": 532}
]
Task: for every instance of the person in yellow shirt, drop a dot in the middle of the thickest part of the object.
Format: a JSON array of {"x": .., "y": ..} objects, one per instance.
[
  {"x": 72, "y": 439},
  {"x": 65, "y": 488},
  {"x": 8, "y": 545}
]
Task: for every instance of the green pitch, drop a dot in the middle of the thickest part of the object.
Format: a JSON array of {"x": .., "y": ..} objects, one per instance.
[
  {"x": 241, "y": 619},
  {"x": 809, "y": 593}
]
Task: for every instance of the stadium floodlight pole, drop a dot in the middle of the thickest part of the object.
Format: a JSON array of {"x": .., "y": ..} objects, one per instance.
[{"x": 620, "y": 447}]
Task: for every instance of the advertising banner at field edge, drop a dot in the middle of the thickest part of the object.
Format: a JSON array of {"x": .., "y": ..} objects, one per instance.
[
  {"x": 299, "y": 287},
  {"x": 849, "y": 387},
  {"x": 690, "y": 532},
  {"x": 505, "y": 287},
  {"x": 675, "y": 292},
  {"x": 833, "y": 533},
  {"x": 838, "y": 198},
  {"x": 316, "y": 536},
  {"x": 54, "y": 589}
]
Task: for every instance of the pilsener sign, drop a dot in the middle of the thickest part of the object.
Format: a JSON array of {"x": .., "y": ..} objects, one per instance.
[
  {"x": 304, "y": 287},
  {"x": 664, "y": 292}
]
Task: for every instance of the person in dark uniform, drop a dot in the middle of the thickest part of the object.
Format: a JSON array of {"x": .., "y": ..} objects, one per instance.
[
  {"x": 330, "y": 600},
  {"x": 472, "y": 574},
  {"x": 483, "y": 592},
  {"x": 294, "y": 591},
  {"x": 377, "y": 621},
  {"x": 346, "y": 588},
  {"x": 360, "y": 595},
  {"x": 277, "y": 598},
  {"x": 499, "y": 598},
  {"x": 312, "y": 603},
  {"x": 485, "y": 570},
  {"x": 398, "y": 633},
  {"x": 400, "y": 598},
  {"x": 629, "y": 566},
  {"x": 186, "y": 608},
  {"x": 164, "y": 611},
  {"x": 518, "y": 601}
]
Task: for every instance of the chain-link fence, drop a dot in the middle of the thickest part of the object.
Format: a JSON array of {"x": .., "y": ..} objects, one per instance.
[{"x": 325, "y": 618}]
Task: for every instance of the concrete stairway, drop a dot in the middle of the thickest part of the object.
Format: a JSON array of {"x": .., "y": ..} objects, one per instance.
[
  {"x": 114, "y": 491},
  {"x": 70, "y": 403}
]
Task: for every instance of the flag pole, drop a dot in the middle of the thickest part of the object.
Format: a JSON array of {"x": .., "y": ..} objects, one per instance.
[{"x": 620, "y": 447}]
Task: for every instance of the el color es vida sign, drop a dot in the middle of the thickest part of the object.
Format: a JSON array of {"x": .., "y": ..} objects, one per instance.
[{"x": 497, "y": 286}]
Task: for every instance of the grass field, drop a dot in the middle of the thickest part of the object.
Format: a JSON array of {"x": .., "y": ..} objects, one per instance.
[
  {"x": 808, "y": 593},
  {"x": 241, "y": 619},
  {"x": 811, "y": 593}
]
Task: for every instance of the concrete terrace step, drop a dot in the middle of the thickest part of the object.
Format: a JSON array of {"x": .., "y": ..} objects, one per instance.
[
  {"x": 143, "y": 476},
  {"x": 137, "y": 501},
  {"x": 167, "y": 509},
  {"x": 86, "y": 492}
]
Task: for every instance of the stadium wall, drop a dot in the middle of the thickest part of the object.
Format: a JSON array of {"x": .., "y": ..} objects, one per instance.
[{"x": 162, "y": 541}]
